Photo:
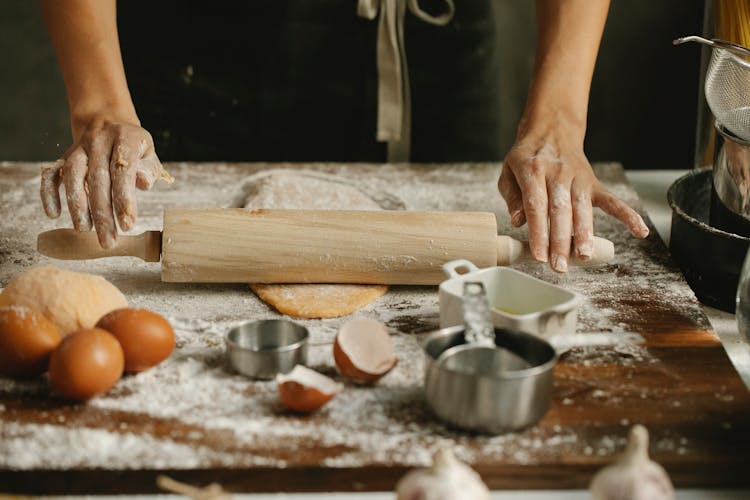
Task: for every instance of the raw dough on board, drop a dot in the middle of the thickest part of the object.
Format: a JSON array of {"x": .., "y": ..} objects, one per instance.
[
  {"x": 306, "y": 190},
  {"x": 70, "y": 301},
  {"x": 318, "y": 301}
]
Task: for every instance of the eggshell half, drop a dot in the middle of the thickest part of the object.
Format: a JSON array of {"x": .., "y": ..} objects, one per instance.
[
  {"x": 363, "y": 350},
  {"x": 304, "y": 390}
]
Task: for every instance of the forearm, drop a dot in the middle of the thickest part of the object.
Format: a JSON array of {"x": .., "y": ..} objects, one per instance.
[
  {"x": 546, "y": 179},
  {"x": 84, "y": 33},
  {"x": 569, "y": 33}
]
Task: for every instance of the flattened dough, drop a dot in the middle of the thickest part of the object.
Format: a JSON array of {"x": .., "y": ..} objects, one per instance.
[
  {"x": 307, "y": 190},
  {"x": 318, "y": 301}
]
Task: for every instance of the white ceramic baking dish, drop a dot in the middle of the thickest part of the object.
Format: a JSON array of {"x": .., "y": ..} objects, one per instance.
[{"x": 516, "y": 300}]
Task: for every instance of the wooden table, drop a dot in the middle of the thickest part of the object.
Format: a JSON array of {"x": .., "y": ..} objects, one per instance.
[{"x": 194, "y": 419}]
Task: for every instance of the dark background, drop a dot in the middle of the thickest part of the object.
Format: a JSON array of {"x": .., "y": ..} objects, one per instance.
[{"x": 643, "y": 101}]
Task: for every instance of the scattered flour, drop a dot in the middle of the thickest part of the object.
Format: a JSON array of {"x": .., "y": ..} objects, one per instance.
[{"x": 192, "y": 411}]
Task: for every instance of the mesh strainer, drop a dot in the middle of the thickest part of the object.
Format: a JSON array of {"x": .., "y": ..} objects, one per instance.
[{"x": 727, "y": 84}]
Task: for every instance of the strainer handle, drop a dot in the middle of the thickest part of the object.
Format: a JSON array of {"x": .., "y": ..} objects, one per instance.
[{"x": 715, "y": 43}]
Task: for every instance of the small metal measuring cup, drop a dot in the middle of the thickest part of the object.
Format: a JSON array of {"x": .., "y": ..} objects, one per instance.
[
  {"x": 484, "y": 378},
  {"x": 481, "y": 388},
  {"x": 490, "y": 379},
  {"x": 262, "y": 349}
]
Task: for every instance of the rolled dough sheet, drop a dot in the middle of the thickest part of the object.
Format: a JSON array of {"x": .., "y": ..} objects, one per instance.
[
  {"x": 306, "y": 190},
  {"x": 318, "y": 301}
]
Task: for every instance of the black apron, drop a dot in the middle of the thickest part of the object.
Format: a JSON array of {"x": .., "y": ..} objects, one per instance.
[{"x": 296, "y": 80}]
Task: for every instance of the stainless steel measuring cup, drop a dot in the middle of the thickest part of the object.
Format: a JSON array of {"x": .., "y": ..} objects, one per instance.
[
  {"x": 476, "y": 390},
  {"x": 262, "y": 349},
  {"x": 492, "y": 379}
]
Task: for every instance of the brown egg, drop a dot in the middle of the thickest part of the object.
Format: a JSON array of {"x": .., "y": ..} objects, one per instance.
[
  {"x": 26, "y": 341},
  {"x": 87, "y": 363},
  {"x": 146, "y": 338}
]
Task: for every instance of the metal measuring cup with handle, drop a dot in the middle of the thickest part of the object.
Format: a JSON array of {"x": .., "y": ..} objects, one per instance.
[{"x": 502, "y": 386}]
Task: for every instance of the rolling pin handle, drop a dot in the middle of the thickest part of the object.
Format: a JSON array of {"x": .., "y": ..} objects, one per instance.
[
  {"x": 509, "y": 250},
  {"x": 604, "y": 252},
  {"x": 69, "y": 244}
]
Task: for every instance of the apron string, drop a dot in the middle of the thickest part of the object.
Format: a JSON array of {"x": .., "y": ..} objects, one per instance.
[{"x": 394, "y": 95}]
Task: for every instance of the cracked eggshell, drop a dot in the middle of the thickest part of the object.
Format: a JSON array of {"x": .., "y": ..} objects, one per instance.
[
  {"x": 304, "y": 390},
  {"x": 363, "y": 350}
]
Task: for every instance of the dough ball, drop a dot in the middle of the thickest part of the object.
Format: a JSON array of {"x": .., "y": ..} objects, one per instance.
[{"x": 71, "y": 301}]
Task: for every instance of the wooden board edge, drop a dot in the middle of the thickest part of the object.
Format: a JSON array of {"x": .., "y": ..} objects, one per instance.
[{"x": 317, "y": 479}]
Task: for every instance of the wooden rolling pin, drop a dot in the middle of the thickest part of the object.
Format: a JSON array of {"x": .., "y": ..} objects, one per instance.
[{"x": 228, "y": 245}]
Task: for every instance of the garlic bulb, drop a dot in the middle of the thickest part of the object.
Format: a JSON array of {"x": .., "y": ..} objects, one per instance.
[
  {"x": 633, "y": 476},
  {"x": 447, "y": 479}
]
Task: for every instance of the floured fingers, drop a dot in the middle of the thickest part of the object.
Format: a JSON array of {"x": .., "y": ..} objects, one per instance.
[
  {"x": 74, "y": 178},
  {"x": 620, "y": 210},
  {"x": 100, "y": 190},
  {"x": 49, "y": 189},
  {"x": 561, "y": 223},
  {"x": 149, "y": 171},
  {"x": 122, "y": 170},
  {"x": 511, "y": 193},
  {"x": 583, "y": 220}
]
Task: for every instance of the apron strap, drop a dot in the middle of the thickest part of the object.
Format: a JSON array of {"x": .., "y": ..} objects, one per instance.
[{"x": 394, "y": 96}]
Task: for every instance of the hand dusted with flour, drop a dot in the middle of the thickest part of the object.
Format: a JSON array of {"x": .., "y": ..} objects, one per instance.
[
  {"x": 546, "y": 179},
  {"x": 100, "y": 172},
  {"x": 111, "y": 153},
  {"x": 554, "y": 189}
]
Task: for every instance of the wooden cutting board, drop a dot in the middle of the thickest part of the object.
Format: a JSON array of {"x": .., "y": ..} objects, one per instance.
[{"x": 195, "y": 420}]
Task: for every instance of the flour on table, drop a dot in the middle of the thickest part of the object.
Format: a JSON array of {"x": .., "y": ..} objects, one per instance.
[
  {"x": 284, "y": 189},
  {"x": 192, "y": 411}
]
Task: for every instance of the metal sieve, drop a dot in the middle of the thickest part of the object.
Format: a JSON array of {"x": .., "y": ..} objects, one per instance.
[{"x": 727, "y": 84}]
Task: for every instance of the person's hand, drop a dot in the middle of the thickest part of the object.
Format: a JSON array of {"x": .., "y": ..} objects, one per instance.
[
  {"x": 100, "y": 172},
  {"x": 547, "y": 181}
]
